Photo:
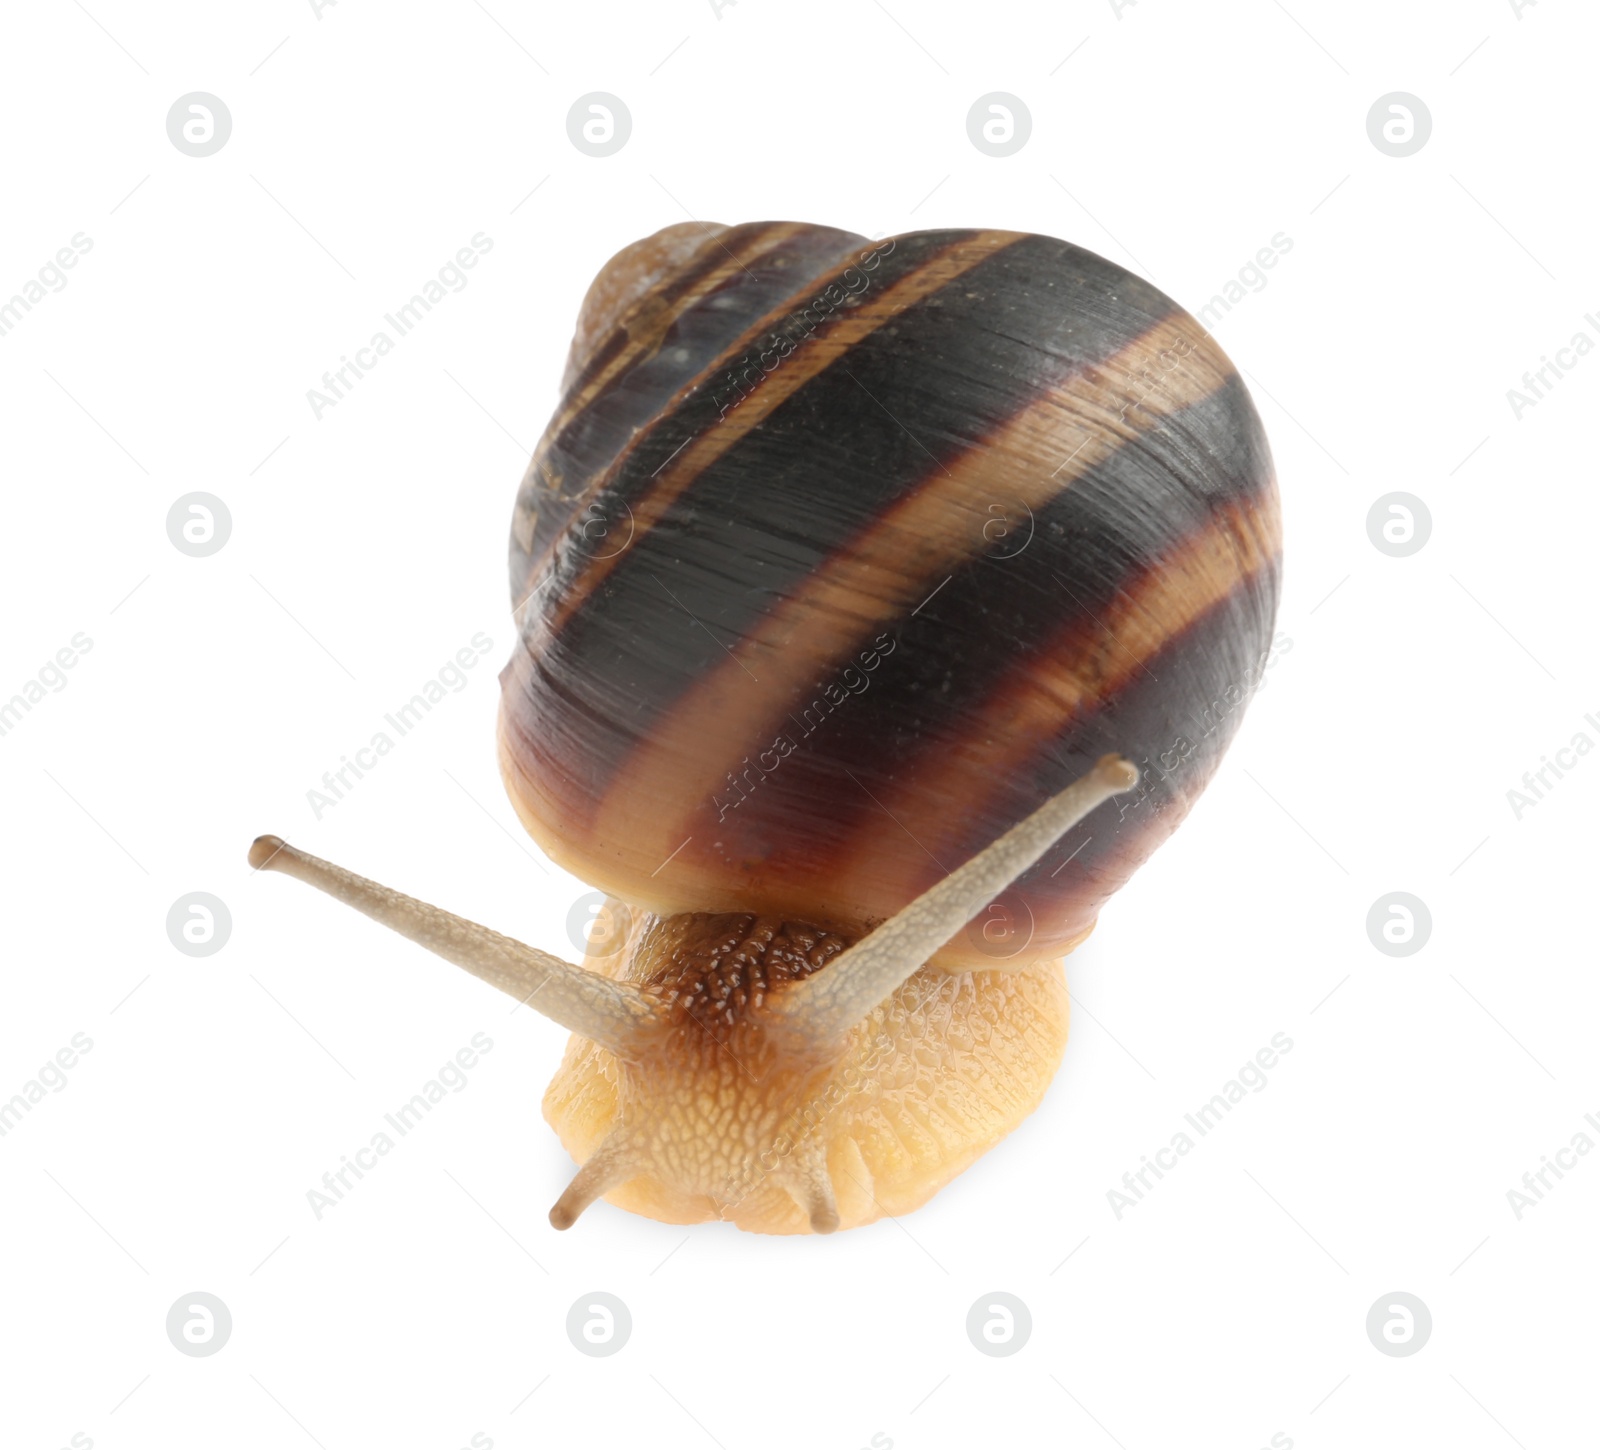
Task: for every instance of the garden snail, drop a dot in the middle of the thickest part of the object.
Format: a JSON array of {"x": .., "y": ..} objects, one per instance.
[{"x": 840, "y": 565}]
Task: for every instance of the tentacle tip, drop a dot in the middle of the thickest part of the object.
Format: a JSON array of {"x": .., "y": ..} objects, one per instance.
[
  {"x": 562, "y": 1217},
  {"x": 263, "y": 849},
  {"x": 1117, "y": 773},
  {"x": 824, "y": 1221}
]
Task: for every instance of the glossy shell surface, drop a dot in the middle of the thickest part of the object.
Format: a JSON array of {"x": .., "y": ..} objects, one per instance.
[{"x": 839, "y": 556}]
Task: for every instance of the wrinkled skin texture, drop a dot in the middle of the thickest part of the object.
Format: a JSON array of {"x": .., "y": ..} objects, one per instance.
[{"x": 737, "y": 1121}]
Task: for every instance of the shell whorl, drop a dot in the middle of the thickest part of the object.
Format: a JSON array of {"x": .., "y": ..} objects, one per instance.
[{"x": 839, "y": 557}]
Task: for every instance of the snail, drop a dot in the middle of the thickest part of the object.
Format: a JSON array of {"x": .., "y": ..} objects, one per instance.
[{"x": 882, "y": 605}]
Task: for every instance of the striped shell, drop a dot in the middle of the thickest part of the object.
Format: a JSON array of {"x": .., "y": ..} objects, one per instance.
[{"x": 839, "y": 557}]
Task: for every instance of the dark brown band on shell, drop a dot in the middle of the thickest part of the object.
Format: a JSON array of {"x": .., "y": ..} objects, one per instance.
[{"x": 995, "y": 508}]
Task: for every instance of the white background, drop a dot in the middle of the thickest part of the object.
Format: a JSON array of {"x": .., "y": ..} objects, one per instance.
[{"x": 368, "y": 145}]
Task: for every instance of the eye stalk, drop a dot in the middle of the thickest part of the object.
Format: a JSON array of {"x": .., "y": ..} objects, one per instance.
[
  {"x": 829, "y": 1004},
  {"x": 614, "y": 1014}
]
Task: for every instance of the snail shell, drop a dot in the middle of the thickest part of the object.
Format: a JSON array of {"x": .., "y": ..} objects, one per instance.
[
  {"x": 882, "y": 606},
  {"x": 839, "y": 557}
]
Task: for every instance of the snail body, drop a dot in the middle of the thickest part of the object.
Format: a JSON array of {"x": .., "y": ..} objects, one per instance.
[{"x": 882, "y": 605}]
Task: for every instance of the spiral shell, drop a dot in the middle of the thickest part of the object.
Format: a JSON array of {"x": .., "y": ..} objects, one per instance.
[{"x": 839, "y": 557}]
